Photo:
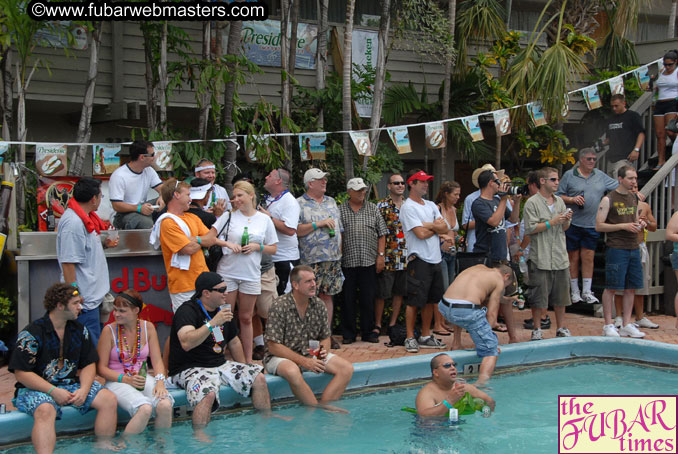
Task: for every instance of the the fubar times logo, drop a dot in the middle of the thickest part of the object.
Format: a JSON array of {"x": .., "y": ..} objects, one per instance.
[{"x": 617, "y": 424}]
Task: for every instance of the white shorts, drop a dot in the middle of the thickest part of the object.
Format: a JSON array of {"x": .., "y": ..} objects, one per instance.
[
  {"x": 246, "y": 287},
  {"x": 273, "y": 363},
  {"x": 269, "y": 292},
  {"x": 130, "y": 398},
  {"x": 180, "y": 298}
]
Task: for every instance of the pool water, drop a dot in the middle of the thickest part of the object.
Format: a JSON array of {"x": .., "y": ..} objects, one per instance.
[{"x": 525, "y": 420}]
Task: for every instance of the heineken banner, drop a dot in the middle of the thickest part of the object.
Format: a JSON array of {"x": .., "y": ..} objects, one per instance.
[{"x": 365, "y": 49}]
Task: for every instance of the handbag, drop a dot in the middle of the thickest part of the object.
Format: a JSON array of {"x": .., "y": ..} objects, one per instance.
[
  {"x": 215, "y": 253},
  {"x": 468, "y": 259}
]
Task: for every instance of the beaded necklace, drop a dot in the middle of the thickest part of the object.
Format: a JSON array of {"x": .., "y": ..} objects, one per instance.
[{"x": 122, "y": 347}]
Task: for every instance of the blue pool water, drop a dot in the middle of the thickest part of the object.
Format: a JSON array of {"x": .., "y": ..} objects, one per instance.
[{"x": 525, "y": 420}]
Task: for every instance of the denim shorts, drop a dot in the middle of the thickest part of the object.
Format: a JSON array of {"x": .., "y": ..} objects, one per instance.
[
  {"x": 623, "y": 269},
  {"x": 581, "y": 238},
  {"x": 674, "y": 261},
  {"x": 28, "y": 400},
  {"x": 475, "y": 322}
]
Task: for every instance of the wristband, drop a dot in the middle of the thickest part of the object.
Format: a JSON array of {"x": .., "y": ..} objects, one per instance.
[
  {"x": 139, "y": 208},
  {"x": 262, "y": 247},
  {"x": 160, "y": 377},
  {"x": 315, "y": 227},
  {"x": 49, "y": 393},
  {"x": 209, "y": 327},
  {"x": 120, "y": 378},
  {"x": 198, "y": 238},
  {"x": 74, "y": 284},
  {"x": 548, "y": 226},
  {"x": 447, "y": 404}
]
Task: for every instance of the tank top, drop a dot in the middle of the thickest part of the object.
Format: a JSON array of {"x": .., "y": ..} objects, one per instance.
[
  {"x": 113, "y": 358},
  {"x": 667, "y": 86},
  {"x": 623, "y": 209}
]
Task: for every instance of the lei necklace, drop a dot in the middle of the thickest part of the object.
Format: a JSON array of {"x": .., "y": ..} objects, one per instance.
[{"x": 129, "y": 363}]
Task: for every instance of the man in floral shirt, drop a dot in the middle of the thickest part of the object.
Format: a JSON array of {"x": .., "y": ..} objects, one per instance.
[
  {"x": 49, "y": 354},
  {"x": 392, "y": 282},
  {"x": 293, "y": 320}
]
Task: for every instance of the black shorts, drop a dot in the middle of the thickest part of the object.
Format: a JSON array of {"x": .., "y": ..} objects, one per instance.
[
  {"x": 391, "y": 283},
  {"x": 424, "y": 283},
  {"x": 668, "y": 106}
]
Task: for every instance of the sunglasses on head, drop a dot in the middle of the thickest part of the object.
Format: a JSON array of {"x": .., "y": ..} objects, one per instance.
[
  {"x": 220, "y": 290},
  {"x": 447, "y": 365}
]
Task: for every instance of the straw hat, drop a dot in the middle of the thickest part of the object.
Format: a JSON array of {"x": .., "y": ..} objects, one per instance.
[{"x": 478, "y": 171}]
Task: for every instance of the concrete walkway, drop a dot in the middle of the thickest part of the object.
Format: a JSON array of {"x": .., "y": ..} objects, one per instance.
[{"x": 579, "y": 325}]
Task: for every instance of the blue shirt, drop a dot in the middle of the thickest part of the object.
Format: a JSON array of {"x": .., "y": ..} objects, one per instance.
[{"x": 593, "y": 188}]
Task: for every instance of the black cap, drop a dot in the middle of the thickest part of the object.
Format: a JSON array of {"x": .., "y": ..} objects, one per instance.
[{"x": 206, "y": 281}]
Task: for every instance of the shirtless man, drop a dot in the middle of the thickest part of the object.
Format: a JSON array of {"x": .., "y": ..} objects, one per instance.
[
  {"x": 435, "y": 398},
  {"x": 472, "y": 302}
]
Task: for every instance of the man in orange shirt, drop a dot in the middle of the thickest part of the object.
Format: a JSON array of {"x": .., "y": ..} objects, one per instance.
[{"x": 181, "y": 236}]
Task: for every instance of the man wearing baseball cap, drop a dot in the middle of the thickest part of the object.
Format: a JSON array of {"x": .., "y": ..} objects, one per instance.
[
  {"x": 200, "y": 193},
  {"x": 319, "y": 233},
  {"x": 363, "y": 249},
  {"x": 422, "y": 223}
]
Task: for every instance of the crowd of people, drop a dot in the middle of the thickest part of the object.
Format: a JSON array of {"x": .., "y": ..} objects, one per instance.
[{"x": 253, "y": 279}]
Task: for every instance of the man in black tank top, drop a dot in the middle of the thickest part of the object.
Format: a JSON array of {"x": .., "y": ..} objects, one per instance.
[{"x": 618, "y": 217}]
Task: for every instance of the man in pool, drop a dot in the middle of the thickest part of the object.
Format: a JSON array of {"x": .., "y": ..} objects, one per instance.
[
  {"x": 293, "y": 320},
  {"x": 54, "y": 363},
  {"x": 436, "y": 397},
  {"x": 472, "y": 302}
]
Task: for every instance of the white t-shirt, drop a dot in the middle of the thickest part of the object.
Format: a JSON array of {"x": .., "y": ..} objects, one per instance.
[
  {"x": 245, "y": 267},
  {"x": 218, "y": 192},
  {"x": 128, "y": 186},
  {"x": 287, "y": 209},
  {"x": 413, "y": 214}
]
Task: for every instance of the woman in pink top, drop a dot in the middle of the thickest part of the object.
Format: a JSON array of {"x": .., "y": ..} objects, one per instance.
[{"x": 124, "y": 347}]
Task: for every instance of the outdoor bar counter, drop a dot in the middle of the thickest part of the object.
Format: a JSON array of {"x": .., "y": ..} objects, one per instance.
[{"x": 132, "y": 264}]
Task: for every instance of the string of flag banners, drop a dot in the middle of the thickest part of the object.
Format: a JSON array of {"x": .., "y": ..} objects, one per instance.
[{"x": 51, "y": 158}]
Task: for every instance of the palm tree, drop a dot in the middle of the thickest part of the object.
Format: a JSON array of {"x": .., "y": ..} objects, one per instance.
[{"x": 346, "y": 90}]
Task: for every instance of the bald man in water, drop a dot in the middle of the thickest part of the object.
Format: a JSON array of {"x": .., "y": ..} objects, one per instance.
[
  {"x": 472, "y": 302},
  {"x": 435, "y": 398}
]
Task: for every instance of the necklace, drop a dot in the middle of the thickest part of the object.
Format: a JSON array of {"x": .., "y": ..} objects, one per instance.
[{"x": 129, "y": 362}]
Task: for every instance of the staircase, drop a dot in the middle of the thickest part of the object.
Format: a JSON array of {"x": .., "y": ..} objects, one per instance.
[{"x": 660, "y": 192}]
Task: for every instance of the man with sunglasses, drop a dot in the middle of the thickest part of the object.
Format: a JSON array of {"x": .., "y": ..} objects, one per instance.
[
  {"x": 202, "y": 330},
  {"x": 129, "y": 185},
  {"x": 472, "y": 302},
  {"x": 438, "y": 396},
  {"x": 546, "y": 220},
  {"x": 582, "y": 188}
]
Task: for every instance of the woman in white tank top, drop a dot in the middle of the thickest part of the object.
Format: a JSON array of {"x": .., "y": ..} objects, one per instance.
[{"x": 666, "y": 107}]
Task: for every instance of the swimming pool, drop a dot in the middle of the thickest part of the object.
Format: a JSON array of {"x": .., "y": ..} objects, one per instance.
[
  {"x": 525, "y": 420},
  {"x": 312, "y": 427}
]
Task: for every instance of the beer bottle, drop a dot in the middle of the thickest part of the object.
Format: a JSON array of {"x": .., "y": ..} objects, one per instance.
[
  {"x": 5, "y": 201},
  {"x": 245, "y": 238},
  {"x": 142, "y": 373}
]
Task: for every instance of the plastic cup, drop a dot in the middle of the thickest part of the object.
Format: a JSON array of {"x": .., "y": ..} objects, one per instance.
[
  {"x": 314, "y": 347},
  {"x": 225, "y": 306},
  {"x": 113, "y": 235},
  {"x": 461, "y": 381}
]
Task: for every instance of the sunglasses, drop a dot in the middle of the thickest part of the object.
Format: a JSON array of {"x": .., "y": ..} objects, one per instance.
[
  {"x": 149, "y": 155},
  {"x": 669, "y": 64},
  {"x": 590, "y": 159},
  {"x": 399, "y": 183},
  {"x": 553, "y": 179},
  {"x": 220, "y": 290},
  {"x": 447, "y": 365}
]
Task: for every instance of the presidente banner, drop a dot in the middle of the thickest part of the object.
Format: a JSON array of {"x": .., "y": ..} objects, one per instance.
[
  {"x": 364, "y": 52},
  {"x": 261, "y": 41}
]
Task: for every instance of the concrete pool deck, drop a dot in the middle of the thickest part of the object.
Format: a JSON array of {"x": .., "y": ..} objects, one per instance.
[{"x": 376, "y": 373}]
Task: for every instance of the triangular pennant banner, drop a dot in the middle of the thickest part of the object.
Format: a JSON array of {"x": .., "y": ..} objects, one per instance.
[
  {"x": 361, "y": 140},
  {"x": 163, "y": 155},
  {"x": 592, "y": 97},
  {"x": 312, "y": 146},
  {"x": 435, "y": 135},
  {"x": 400, "y": 138},
  {"x": 502, "y": 122},
  {"x": 472, "y": 125},
  {"x": 616, "y": 85},
  {"x": 536, "y": 113}
]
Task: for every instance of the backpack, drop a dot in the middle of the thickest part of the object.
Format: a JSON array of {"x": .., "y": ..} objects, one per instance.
[{"x": 397, "y": 335}]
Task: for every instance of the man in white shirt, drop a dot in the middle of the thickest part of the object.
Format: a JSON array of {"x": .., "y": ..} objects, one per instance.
[
  {"x": 129, "y": 186},
  {"x": 283, "y": 209},
  {"x": 218, "y": 201},
  {"x": 422, "y": 223}
]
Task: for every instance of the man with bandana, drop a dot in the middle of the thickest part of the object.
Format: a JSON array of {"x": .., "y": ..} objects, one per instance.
[{"x": 218, "y": 200}]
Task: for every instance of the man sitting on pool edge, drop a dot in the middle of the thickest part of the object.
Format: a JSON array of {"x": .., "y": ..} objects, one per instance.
[
  {"x": 472, "y": 302},
  {"x": 436, "y": 397},
  {"x": 293, "y": 320}
]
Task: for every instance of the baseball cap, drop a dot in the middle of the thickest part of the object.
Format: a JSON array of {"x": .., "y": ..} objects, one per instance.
[
  {"x": 314, "y": 174},
  {"x": 356, "y": 184},
  {"x": 478, "y": 171},
  {"x": 206, "y": 281},
  {"x": 199, "y": 188},
  {"x": 421, "y": 176}
]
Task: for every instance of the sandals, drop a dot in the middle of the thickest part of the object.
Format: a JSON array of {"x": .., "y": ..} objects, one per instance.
[{"x": 500, "y": 329}]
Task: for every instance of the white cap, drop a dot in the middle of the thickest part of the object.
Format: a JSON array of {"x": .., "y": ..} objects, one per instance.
[
  {"x": 199, "y": 192},
  {"x": 313, "y": 174},
  {"x": 356, "y": 184}
]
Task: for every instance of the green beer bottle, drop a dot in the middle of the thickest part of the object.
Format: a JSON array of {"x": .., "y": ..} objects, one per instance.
[{"x": 245, "y": 238}]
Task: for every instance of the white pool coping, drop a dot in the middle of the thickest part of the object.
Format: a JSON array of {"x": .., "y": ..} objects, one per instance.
[{"x": 16, "y": 426}]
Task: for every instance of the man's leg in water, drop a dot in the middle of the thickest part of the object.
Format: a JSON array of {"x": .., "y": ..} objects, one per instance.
[{"x": 486, "y": 369}]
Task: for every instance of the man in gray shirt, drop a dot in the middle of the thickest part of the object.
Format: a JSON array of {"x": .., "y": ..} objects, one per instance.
[
  {"x": 582, "y": 188},
  {"x": 80, "y": 251}
]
